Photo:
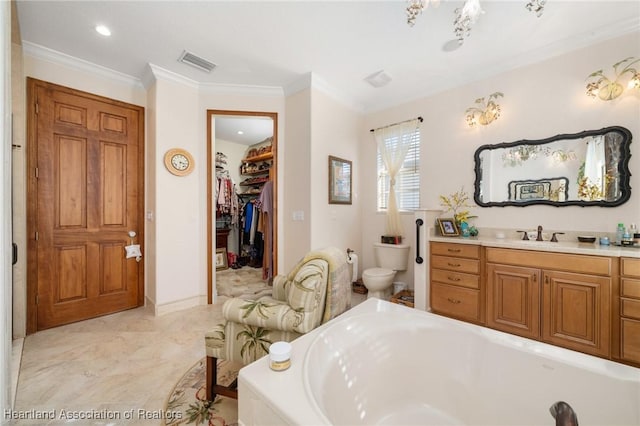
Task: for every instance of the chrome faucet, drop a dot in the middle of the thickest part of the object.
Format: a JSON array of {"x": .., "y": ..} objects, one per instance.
[{"x": 564, "y": 414}]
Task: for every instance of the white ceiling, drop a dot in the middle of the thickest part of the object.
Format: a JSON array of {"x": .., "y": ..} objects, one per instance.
[
  {"x": 276, "y": 44},
  {"x": 254, "y": 129}
]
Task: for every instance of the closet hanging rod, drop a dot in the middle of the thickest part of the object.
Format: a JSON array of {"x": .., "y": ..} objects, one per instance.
[{"x": 420, "y": 119}]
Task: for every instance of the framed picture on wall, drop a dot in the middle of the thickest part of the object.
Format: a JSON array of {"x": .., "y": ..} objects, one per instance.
[
  {"x": 339, "y": 180},
  {"x": 448, "y": 227},
  {"x": 221, "y": 259}
]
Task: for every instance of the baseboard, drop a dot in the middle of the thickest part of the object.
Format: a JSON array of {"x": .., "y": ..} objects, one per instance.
[{"x": 176, "y": 306}]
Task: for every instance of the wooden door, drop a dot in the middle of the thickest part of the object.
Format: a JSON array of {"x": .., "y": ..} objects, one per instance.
[
  {"x": 513, "y": 299},
  {"x": 85, "y": 195},
  {"x": 576, "y": 312}
]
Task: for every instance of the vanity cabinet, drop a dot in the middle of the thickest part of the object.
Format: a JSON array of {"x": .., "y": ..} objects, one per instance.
[
  {"x": 629, "y": 319},
  {"x": 562, "y": 299},
  {"x": 456, "y": 286}
]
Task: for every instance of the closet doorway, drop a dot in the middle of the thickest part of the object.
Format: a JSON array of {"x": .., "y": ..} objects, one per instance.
[{"x": 241, "y": 191}]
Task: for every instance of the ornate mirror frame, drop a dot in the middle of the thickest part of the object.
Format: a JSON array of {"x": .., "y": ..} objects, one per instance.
[{"x": 623, "y": 171}]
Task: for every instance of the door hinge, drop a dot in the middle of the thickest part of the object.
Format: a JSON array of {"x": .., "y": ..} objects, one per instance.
[{"x": 36, "y": 236}]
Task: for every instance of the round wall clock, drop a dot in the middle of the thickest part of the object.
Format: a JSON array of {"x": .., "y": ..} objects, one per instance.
[{"x": 179, "y": 162}]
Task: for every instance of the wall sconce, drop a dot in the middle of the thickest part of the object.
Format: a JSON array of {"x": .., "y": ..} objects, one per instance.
[
  {"x": 485, "y": 112},
  {"x": 601, "y": 86}
]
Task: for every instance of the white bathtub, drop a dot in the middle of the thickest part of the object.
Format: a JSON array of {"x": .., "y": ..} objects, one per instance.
[{"x": 385, "y": 364}]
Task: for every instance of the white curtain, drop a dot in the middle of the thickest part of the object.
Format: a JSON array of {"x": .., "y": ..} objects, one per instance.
[
  {"x": 393, "y": 143},
  {"x": 594, "y": 163}
]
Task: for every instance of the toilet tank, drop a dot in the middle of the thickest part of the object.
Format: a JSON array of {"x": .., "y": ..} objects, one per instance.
[{"x": 391, "y": 256}]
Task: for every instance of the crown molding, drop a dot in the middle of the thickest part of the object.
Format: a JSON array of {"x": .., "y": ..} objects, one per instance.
[
  {"x": 155, "y": 72},
  {"x": 49, "y": 55},
  {"x": 243, "y": 90},
  {"x": 312, "y": 80}
]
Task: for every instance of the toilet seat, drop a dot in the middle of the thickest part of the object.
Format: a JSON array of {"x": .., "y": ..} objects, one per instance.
[{"x": 378, "y": 272}]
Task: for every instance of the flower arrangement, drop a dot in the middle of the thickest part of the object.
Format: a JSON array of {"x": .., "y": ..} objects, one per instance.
[
  {"x": 455, "y": 203},
  {"x": 592, "y": 191}
]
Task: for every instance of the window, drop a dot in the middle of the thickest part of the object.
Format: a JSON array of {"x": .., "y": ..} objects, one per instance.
[{"x": 407, "y": 179}]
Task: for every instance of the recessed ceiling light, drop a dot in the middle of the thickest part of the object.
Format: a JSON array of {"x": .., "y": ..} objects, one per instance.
[
  {"x": 240, "y": 132},
  {"x": 103, "y": 30}
]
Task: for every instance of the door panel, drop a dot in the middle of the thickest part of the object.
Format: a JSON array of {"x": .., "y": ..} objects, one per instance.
[
  {"x": 84, "y": 198},
  {"x": 513, "y": 299},
  {"x": 577, "y": 312}
]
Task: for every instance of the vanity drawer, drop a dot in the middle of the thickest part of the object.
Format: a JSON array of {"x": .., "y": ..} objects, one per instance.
[
  {"x": 630, "y": 308},
  {"x": 456, "y": 264},
  {"x": 581, "y": 264},
  {"x": 459, "y": 250},
  {"x": 455, "y": 278},
  {"x": 630, "y": 288},
  {"x": 454, "y": 301},
  {"x": 631, "y": 267}
]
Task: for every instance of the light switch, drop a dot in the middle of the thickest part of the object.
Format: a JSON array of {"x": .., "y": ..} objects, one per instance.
[{"x": 298, "y": 215}]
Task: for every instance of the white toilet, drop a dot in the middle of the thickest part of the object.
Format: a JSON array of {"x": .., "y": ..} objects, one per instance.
[{"x": 390, "y": 258}]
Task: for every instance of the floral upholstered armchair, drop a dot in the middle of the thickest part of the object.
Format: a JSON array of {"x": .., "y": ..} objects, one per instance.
[{"x": 315, "y": 291}]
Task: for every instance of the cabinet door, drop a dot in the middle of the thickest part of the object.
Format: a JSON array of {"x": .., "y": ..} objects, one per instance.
[
  {"x": 576, "y": 312},
  {"x": 513, "y": 299},
  {"x": 630, "y": 342}
]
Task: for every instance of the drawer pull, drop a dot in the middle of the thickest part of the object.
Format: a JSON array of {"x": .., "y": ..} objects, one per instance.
[
  {"x": 456, "y": 279},
  {"x": 455, "y": 265},
  {"x": 454, "y": 301},
  {"x": 453, "y": 250}
]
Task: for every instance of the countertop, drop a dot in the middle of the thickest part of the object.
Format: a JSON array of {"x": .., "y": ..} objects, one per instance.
[{"x": 574, "y": 247}]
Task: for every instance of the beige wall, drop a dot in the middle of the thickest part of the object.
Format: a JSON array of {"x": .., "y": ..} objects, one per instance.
[
  {"x": 18, "y": 176},
  {"x": 178, "y": 255},
  {"x": 335, "y": 131},
  {"x": 296, "y": 185},
  {"x": 540, "y": 100}
]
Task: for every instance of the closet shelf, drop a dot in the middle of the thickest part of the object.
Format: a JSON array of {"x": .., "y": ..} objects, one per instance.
[
  {"x": 257, "y": 172},
  {"x": 261, "y": 157},
  {"x": 254, "y": 181}
]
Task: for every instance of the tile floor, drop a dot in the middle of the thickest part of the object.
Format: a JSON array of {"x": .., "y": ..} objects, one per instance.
[
  {"x": 114, "y": 365},
  {"x": 110, "y": 365}
]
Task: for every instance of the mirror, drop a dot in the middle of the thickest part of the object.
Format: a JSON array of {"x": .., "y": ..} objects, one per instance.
[{"x": 590, "y": 168}]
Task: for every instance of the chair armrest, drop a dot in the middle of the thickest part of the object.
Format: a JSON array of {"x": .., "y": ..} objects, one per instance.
[
  {"x": 279, "y": 292},
  {"x": 265, "y": 312}
]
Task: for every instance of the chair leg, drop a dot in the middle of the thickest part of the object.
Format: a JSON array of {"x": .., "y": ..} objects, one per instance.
[
  {"x": 212, "y": 373},
  {"x": 212, "y": 386}
]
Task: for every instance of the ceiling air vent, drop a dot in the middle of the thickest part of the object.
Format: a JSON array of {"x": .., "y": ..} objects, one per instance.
[
  {"x": 196, "y": 61},
  {"x": 378, "y": 79}
]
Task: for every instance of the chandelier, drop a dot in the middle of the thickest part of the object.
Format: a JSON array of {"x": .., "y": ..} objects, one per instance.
[
  {"x": 415, "y": 8},
  {"x": 465, "y": 16}
]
